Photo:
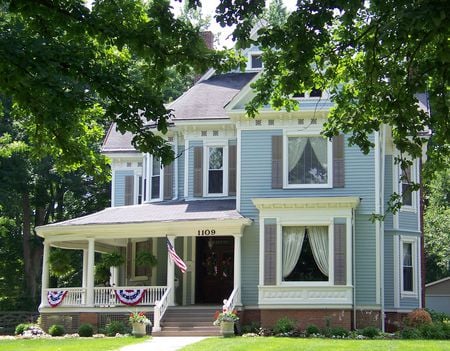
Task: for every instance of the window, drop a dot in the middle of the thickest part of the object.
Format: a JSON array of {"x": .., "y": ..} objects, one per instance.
[
  {"x": 155, "y": 179},
  {"x": 129, "y": 190},
  {"x": 140, "y": 271},
  {"x": 256, "y": 61},
  {"x": 305, "y": 253},
  {"x": 215, "y": 180},
  {"x": 406, "y": 180},
  {"x": 307, "y": 163},
  {"x": 407, "y": 267},
  {"x": 139, "y": 195}
]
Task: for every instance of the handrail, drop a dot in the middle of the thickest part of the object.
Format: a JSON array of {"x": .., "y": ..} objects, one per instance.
[
  {"x": 159, "y": 310},
  {"x": 230, "y": 303}
]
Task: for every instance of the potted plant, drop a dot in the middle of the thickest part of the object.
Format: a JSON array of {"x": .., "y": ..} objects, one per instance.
[
  {"x": 139, "y": 322},
  {"x": 226, "y": 320}
]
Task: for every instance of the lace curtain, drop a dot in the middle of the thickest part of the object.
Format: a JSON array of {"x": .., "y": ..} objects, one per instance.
[
  {"x": 318, "y": 239},
  {"x": 296, "y": 147},
  {"x": 292, "y": 245}
]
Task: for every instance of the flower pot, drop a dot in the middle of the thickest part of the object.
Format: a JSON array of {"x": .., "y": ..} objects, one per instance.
[
  {"x": 138, "y": 329},
  {"x": 227, "y": 328}
]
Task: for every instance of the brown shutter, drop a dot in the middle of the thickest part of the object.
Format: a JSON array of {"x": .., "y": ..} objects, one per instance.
[
  {"x": 340, "y": 256},
  {"x": 129, "y": 259},
  {"x": 168, "y": 182},
  {"x": 232, "y": 169},
  {"x": 338, "y": 161},
  {"x": 277, "y": 162},
  {"x": 270, "y": 254},
  {"x": 129, "y": 190},
  {"x": 198, "y": 171}
]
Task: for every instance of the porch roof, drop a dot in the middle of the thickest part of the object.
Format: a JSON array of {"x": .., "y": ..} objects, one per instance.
[{"x": 161, "y": 213}]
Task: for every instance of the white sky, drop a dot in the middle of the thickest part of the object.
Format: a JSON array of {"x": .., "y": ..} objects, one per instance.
[{"x": 208, "y": 8}]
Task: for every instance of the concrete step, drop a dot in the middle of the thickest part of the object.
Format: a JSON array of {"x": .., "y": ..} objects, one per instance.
[
  {"x": 167, "y": 324},
  {"x": 187, "y": 333}
]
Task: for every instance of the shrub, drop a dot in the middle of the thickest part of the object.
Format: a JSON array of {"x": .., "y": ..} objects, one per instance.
[
  {"x": 253, "y": 327},
  {"x": 410, "y": 333},
  {"x": 417, "y": 318},
  {"x": 86, "y": 330},
  {"x": 370, "y": 332},
  {"x": 312, "y": 329},
  {"x": 56, "y": 330},
  {"x": 284, "y": 325},
  {"x": 437, "y": 316},
  {"x": 338, "y": 332},
  {"x": 432, "y": 331},
  {"x": 20, "y": 328},
  {"x": 115, "y": 327}
]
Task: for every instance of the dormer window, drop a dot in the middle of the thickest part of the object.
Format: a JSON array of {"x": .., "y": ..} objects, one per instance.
[{"x": 256, "y": 61}]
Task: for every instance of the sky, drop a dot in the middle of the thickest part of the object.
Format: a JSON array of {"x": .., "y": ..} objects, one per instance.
[{"x": 208, "y": 8}]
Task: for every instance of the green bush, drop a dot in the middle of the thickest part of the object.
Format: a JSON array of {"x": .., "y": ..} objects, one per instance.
[
  {"x": 116, "y": 327},
  {"x": 284, "y": 325},
  {"x": 20, "y": 328},
  {"x": 253, "y": 327},
  {"x": 339, "y": 332},
  {"x": 370, "y": 332},
  {"x": 312, "y": 329},
  {"x": 437, "y": 316},
  {"x": 410, "y": 333},
  {"x": 86, "y": 330},
  {"x": 56, "y": 330},
  {"x": 432, "y": 331}
]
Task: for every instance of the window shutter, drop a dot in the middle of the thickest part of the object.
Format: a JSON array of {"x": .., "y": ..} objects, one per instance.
[
  {"x": 198, "y": 171},
  {"x": 168, "y": 182},
  {"x": 129, "y": 259},
  {"x": 270, "y": 254},
  {"x": 338, "y": 161},
  {"x": 232, "y": 169},
  {"x": 340, "y": 254},
  {"x": 277, "y": 162},
  {"x": 129, "y": 190}
]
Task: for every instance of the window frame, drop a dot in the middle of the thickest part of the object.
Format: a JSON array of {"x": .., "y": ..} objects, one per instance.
[
  {"x": 414, "y": 261},
  {"x": 414, "y": 194},
  {"x": 148, "y": 189},
  {"x": 251, "y": 54},
  {"x": 206, "y": 147},
  {"x": 305, "y": 283},
  {"x": 286, "y": 185},
  {"x": 133, "y": 276}
]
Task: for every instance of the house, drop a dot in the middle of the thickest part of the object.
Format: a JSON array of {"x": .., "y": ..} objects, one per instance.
[
  {"x": 267, "y": 214},
  {"x": 437, "y": 295}
]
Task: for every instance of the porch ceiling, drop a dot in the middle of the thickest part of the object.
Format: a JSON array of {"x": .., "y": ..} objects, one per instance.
[{"x": 152, "y": 220}]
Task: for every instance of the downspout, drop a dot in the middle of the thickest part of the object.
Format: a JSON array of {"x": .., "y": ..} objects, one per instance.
[
  {"x": 382, "y": 173},
  {"x": 354, "y": 267}
]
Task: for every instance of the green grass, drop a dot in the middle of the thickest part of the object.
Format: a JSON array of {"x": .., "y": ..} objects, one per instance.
[
  {"x": 296, "y": 344},
  {"x": 84, "y": 344}
]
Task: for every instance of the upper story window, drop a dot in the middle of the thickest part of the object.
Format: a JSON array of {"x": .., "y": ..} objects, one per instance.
[
  {"x": 305, "y": 254},
  {"x": 155, "y": 179},
  {"x": 315, "y": 93},
  {"x": 215, "y": 170},
  {"x": 407, "y": 177},
  {"x": 409, "y": 266},
  {"x": 307, "y": 161}
]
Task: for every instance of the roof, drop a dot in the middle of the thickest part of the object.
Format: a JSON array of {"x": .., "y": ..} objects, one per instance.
[
  {"x": 437, "y": 282},
  {"x": 115, "y": 141},
  {"x": 171, "y": 211},
  {"x": 207, "y": 99}
]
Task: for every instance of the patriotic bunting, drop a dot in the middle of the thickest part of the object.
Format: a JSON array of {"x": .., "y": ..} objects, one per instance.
[
  {"x": 130, "y": 297},
  {"x": 54, "y": 298}
]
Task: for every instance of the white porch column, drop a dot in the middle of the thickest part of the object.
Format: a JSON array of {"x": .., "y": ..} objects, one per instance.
[
  {"x": 171, "y": 275},
  {"x": 237, "y": 267},
  {"x": 85, "y": 275},
  {"x": 45, "y": 273},
  {"x": 90, "y": 272}
]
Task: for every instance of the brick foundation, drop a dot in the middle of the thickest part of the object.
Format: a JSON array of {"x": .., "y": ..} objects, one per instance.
[
  {"x": 368, "y": 318},
  {"x": 394, "y": 321},
  {"x": 91, "y": 318}
]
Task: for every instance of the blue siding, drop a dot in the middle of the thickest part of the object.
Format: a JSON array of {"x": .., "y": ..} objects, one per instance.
[
  {"x": 250, "y": 265},
  {"x": 119, "y": 186},
  {"x": 408, "y": 220},
  {"x": 389, "y": 270},
  {"x": 256, "y": 181},
  {"x": 365, "y": 258},
  {"x": 388, "y": 186},
  {"x": 409, "y": 303}
]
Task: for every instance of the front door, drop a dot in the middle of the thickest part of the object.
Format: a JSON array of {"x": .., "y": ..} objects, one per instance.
[{"x": 214, "y": 269}]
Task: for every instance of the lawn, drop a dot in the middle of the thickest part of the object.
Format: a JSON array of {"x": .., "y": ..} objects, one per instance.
[
  {"x": 296, "y": 344},
  {"x": 85, "y": 344}
]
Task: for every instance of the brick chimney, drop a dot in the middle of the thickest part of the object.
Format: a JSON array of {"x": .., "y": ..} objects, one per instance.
[{"x": 208, "y": 38}]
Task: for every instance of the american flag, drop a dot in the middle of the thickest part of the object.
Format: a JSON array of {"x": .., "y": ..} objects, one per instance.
[{"x": 175, "y": 258}]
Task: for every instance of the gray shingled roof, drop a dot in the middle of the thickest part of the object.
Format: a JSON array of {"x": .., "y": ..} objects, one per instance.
[
  {"x": 159, "y": 212},
  {"x": 207, "y": 99},
  {"x": 117, "y": 142}
]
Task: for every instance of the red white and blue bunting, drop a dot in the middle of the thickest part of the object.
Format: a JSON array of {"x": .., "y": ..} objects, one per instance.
[
  {"x": 130, "y": 297},
  {"x": 54, "y": 298}
]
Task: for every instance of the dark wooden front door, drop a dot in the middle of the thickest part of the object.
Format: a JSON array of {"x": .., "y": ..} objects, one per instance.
[{"x": 214, "y": 269}]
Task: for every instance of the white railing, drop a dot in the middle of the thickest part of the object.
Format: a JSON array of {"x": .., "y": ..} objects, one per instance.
[
  {"x": 74, "y": 296},
  {"x": 230, "y": 303},
  {"x": 160, "y": 309},
  {"x": 106, "y": 296}
]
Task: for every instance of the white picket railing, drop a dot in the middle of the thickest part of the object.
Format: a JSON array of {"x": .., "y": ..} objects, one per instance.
[
  {"x": 230, "y": 303},
  {"x": 160, "y": 309}
]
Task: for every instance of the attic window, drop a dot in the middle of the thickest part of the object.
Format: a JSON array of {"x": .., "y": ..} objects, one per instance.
[
  {"x": 256, "y": 61},
  {"x": 204, "y": 133},
  {"x": 258, "y": 122},
  {"x": 271, "y": 122},
  {"x": 215, "y": 133}
]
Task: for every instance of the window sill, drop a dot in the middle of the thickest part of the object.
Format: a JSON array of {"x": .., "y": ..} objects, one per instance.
[
  {"x": 308, "y": 186},
  {"x": 409, "y": 294},
  {"x": 411, "y": 209}
]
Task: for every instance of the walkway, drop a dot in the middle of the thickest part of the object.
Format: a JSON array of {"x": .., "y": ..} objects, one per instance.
[{"x": 164, "y": 343}]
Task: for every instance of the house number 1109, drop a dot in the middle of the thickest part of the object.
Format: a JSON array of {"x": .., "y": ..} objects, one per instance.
[{"x": 204, "y": 232}]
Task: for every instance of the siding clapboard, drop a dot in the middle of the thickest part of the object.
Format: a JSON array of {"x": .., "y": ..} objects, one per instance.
[{"x": 119, "y": 186}]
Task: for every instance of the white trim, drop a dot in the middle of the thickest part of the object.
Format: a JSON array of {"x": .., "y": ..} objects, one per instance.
[
  {"x": 250, "y": 55},
  {"x": 261, "y": 249},
  {"x": 338, "y": 202},
  {"x": 133, "y": 276},
  {"x": 238, "y": 169},
  {"x": 150, "y": 179},
  {"x": 309, "y": 134},
  {"x": 377, "y": 223},
  {"x": 184, "y": 276},
  {"x": 396, "y": 259},
  {"x": 186, "y": 168},
  {"x": 415, "y": 271},
  {"x": 113, "y": 186},
  {"x": 176, "y": 166},
  {"x": 194, "y": 270}
]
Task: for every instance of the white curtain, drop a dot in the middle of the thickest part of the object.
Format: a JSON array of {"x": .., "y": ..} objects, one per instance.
[
  {"x": 320, "y": 147},
  {"x": 292, "y": 246},
  {"x": 318, "y": 239},
  {"x": 296, "y": 147}
]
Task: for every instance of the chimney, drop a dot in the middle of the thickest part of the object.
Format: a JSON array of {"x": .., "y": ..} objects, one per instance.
[{"x": 208, "y": 38}]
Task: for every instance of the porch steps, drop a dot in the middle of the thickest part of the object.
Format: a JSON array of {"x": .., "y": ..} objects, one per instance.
[{"x": 189, "y": 321}]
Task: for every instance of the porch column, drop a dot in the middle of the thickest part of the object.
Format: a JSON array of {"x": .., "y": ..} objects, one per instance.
[
  {"x": 45, "y": 273},
  {"x": 237, "y": 267},
  {"x": 90, "y": 273},
  {"x": 85, "y": 275},
  {"x": 171, "y": 275}
]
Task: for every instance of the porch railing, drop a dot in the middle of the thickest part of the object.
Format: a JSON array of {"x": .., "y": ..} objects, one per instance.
[
  {"x": 230, "y": 303},
  {"x": 160, "y": 309}
]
